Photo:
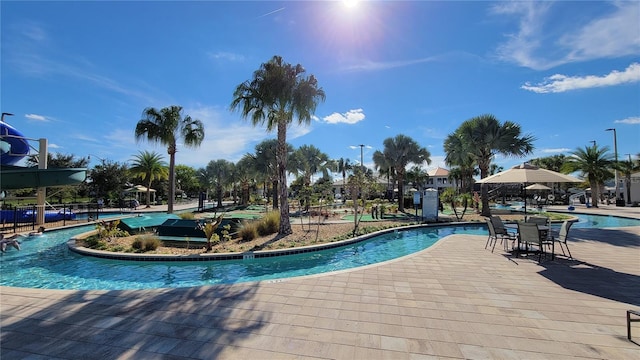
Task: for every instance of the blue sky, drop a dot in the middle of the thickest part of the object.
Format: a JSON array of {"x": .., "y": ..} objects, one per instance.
[{"x": 81, "y": 73}]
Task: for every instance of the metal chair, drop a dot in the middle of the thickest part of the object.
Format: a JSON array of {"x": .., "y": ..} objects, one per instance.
[
  {"x": 562, "y": 237},
  {"x": 529, "y": 236}
]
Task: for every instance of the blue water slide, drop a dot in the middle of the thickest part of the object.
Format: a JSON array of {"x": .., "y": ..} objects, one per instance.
[{"x": 13, "y": 145}]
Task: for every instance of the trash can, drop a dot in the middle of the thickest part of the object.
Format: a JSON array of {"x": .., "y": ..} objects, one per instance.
[{"x": 620, "y": 202}]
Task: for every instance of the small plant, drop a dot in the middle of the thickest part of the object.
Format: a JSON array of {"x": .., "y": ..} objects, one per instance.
[
  {"x": 109, "y": 230},
  {"x": 209, "y": 230}
]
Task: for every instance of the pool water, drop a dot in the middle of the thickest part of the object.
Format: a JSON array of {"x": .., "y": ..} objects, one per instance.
[{"x": 45, "y": 261}]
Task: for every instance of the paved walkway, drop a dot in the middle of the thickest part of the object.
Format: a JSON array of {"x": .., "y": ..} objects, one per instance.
[{"x": 454, "y": 300}]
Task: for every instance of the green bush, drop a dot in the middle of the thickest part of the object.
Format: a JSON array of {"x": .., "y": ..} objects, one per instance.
[
  {"x": 248, "y": 231},
  {"x": 95, "y": 242}
]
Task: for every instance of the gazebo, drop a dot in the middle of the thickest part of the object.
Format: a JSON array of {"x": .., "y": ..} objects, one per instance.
[{"x": 140, "y": 189}]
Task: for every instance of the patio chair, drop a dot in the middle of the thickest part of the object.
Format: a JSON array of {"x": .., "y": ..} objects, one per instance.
[
  {"x": 562, "y": 237},
  {"x": 497, "y": 230},
  {"x": 529, "y": 236}
]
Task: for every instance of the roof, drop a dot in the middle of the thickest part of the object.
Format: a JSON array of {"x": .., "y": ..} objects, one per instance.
[{"x": 438, "y": 172}]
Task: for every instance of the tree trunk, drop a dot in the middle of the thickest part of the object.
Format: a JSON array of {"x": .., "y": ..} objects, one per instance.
[
  {"x": 484, "y": 192},
  {"x": 400, "y": 192},
  {"x": 172, "y": 182},
  {"x": 281, "y": 155}
]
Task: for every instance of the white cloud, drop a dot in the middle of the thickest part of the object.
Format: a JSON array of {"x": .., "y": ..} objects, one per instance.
[
  {"x": 630, "y": 120},
  {"x": 560, "y": 83},
  {"x": 555, "y": 151},
  {"x": 36, "y": 117},
  {"x": 223, "y": 55},
  {"x": 350, "y": 117},
  {"x": 535, "y": 45}
]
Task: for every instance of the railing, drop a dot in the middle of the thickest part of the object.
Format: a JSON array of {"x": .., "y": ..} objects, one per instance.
[{"x": 16, "y": 219}]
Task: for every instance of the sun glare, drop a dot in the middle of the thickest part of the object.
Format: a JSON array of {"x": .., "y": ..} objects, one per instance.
[{"x": 350, "y": 4}]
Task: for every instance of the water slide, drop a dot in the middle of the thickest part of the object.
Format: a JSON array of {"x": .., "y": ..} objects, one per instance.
[{"x": 14, "y": 147}]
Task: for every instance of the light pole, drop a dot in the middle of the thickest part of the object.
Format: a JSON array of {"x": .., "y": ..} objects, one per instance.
[
  {"x": 361, "y": 155},
  {"x": 615, "y": 152},
  {"x": 3, "y": 114},
  {"x": 593, "y": 142}
]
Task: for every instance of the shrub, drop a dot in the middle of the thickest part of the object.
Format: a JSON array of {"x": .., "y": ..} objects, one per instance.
[
  {"x": 269, "y": 224},
  {"x": 95, "y": 242},
  {"x": 248, "y": 231},
  {"x": 146, "y": 243},
  {"x": 108, "y": 230},
  {"x": 187, "y": 216}
]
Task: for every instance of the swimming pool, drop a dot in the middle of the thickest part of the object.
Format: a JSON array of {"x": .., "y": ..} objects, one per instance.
[{"x": 46, "y": 262}]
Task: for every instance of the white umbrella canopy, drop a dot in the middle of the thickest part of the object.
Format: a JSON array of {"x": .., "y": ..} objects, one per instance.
[
  {"x": 537, "y": 187},
  {"x": 528, "y": 174}
]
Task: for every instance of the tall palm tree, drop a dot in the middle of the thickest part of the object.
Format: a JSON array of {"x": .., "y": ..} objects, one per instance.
[
  {"x": 594, "y": 163},
  {"x": 150, "y": 166},
  {"x": 483, "y": 137},
  {"x": 167, "y": 126},
  {"x": 277, "y": 93},
  {"x": 397, "y": 154}
]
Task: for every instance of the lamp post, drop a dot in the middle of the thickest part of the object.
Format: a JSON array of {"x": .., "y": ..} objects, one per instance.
[
  {"x": 593, "y": 142},
  {"x": 3, "y": 115},
  {"x": 615, "y": 152}
]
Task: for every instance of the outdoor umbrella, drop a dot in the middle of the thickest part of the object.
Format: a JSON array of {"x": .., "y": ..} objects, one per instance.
[
  {"x": 537, "y": 187},
  {"x": 527, "y": 174}
]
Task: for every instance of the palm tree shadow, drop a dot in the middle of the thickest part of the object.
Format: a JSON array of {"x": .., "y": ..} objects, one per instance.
[{"x": 593, "y": 279}]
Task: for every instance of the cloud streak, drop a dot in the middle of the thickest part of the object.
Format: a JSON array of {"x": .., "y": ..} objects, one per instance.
[
  {"x": 37, "y": 117},
  {"x": 535, "y": 45},
  {"x": 560, "y": 83}
]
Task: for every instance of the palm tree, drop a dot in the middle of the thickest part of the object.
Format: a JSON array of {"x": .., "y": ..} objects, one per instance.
[
  {"x": 594, "y": 163},
  {"x": 462, "y": 162},
  {"x": 483, "y": 137},
  {"x": 220, "y": 172},
  {"x": 309, "y": 160},
  {"x": 397, "y": 154},
  {"x": 150, "y": 166},
  {"x": 166, "y": 127},
  {"x": 277, "y": 93},
  {"x": 344, "y": 166},
  {"x": 627, "y": 167}
]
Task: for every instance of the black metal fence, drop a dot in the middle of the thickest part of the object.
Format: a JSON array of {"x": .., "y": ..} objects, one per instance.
[{"x": 17, "y": 219}]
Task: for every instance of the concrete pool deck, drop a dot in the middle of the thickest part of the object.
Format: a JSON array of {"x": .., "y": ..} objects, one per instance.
[{"x": 453, "y": 300}]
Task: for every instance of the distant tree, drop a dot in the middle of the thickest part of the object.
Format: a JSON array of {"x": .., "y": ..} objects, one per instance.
[
  {"x": 627, "y": 167},
  {"x": 277, "y": 93},
  {"x": 418, "y": 177},
  {"x": 308, "y": 160},
  {"x": 187, "y": 178},
  {"x": 481, "y": 138},
  {"x": 553, "y": 163},
  {"x": 108, "y": 179},
  {"x": 59, "y": 161},
  {"x": 149, "y": 166},
  {"x": 398, "y": 153},
  {"x": 167, "y": 126},
  {"x": 220, "y": 172},
  {"x": 595, "y": 163}
]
